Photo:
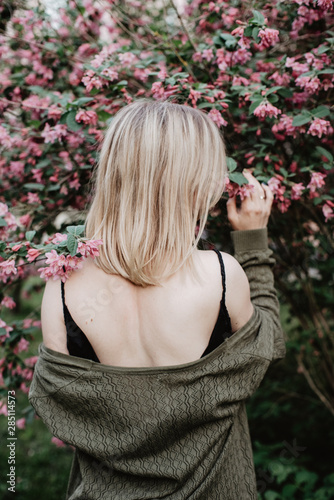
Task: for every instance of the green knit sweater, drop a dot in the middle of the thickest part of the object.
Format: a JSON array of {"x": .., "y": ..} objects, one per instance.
[{"x": 173, "y": 432}]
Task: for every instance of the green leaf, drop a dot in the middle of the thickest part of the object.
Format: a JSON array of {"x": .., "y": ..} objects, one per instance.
[
  {"x": 284, "y": 92},
  {"x": 103, "y": 115},
  {"x": 231, "y": 164},
  {"x": 230, "y": 40},
  {"x": 255, "y": 34},
  {"x": 300, "y": 120},
  {"x": 82, "y": 100},
  {"x": 272, "y": 495},
  {"x": 248, "y": 31},
  {"x": 258, "y": 18},
  {"x": 71, "y": 123},
  {"x": 29, "y": 235},
  {"x": 329, "y": 71},
  {"x": 321, "y": 111},
  {"x": 238, "y": 178},
  {"x": 3, "y": 223},
  {"x": 273, "y": 98},
  {"x": 34, "y": 186},
  {"x": 254, "y": 105},
  {"x": 325, "y": 153},
  {"x": 75, "y": 230},
  {"x": 273, "y": 89},
  {"x": 322, "y": 49},
  {"x": 43, "y": 163},
  {"x": 63, "y": 118},
  {"x": 72, "y": 244}
]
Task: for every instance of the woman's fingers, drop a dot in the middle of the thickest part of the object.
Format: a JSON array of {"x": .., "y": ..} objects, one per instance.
[
  {"x": 254, "y": 210},
  {"x": 232, "y": 211}
]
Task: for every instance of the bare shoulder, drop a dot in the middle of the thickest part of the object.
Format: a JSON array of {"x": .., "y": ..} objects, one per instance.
[
  {"x": 52, "y": 315},
  {"x": 53, "y": 325},
  {"x": 237, "y": 294},
  {"x": 238, "y": 300}
]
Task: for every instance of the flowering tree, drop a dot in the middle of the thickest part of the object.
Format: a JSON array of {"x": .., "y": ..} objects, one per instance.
[{"x": 262, "y": 71}]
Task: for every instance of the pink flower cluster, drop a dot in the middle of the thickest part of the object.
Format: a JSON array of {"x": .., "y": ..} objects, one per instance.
[
  {"x": 87, "y": 117},
  {"x": 269, "y": 37},
  {"x": 10, "y": 220},
  {"x": 90, "y": 80},
  {"x": 278, "y": 190},
  {"x": 319, "y": 127},
  {"x": 326, "y": 4},
  {"x": 285, "y": 125},
  {"x": 317, "y": 182},
  {"x": 265, "y": 109},
  {"x": 216, "y": 116},
  {"x": 51, "y": 135},
  {"x": 311, "y": 85},
  {"x": 327, "y": 210},
  {"x": 61, "y": 265}
]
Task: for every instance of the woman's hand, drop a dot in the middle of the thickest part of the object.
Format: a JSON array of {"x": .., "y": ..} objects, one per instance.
[{"x": 255, "y": 209}]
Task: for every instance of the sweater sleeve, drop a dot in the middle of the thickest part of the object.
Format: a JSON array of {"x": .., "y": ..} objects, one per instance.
[{"x": 252, "y": 252}]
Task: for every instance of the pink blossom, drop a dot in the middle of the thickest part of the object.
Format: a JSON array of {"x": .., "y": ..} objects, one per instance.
[
  {"x": 58, "y": 442},
  {"x": 30, "y": 362},
  {"x": 197, "y": 57},
  {"x": 269, "y": 37},
  {"x": 319, "y": 127},
  {"x": 128, "y": 58},
  {"x": 54, "y": 112},
  {"x": 25, "y": 220},
  {"x": 327, "y": 210},
  {"x": 57, "y": 264},
  {"x": 207, "y": 54},
  {"x": 33, "y": 198},
  {"x": 110, "y": 73},
  {"x": 280, "y": 79},
  {"x": 51, "y": 135},
  {"x": 89, "y": 248},
  {"x": 276, "y": 187},
  {"x": 5, "y": 138},
  {"x": 86, "y": 117},
  {"x": 245, "y": 191},
  {"x": 21, "y": 423},
  {"x": 326, "y": 4},
  {"x": 3, "y": 408},
  {"x": 6, "y": 327},
  {"x": 7, "y": 268},
  {"x": 266, "y": 109},
  {"x": 239, "y": 56},
  {"x": 296, "y": 191},
  {"x": 8, "y": 302},
  {"x": 33, "y": 253},
  {"x": 22, "y": 345},
  {"x": 317, "y": 181},
  {"x": 216, "y": 116},
  {"x": 59, "y": 237},
  {"x": 90, "y": 80},
  {"x": 283, "y": 205},
  {"x": 312, "y": 85},
  {"x": 285, "y": 125},
  {"x": 3, "y": 209}
]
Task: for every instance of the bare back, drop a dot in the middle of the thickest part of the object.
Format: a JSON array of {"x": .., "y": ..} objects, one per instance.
[{"x": 128, "y": 325}]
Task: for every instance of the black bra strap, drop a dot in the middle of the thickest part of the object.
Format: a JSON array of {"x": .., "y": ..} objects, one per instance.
[
  {"x": 226, "y": 320},
  {"x": 222, "y": 269}
]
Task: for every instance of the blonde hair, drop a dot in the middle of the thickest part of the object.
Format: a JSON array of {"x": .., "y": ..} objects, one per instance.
[{"x": 162, "y": 167}]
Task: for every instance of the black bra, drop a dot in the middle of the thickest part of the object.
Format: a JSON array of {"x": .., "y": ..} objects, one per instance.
[{"x": 78, "y": 344}]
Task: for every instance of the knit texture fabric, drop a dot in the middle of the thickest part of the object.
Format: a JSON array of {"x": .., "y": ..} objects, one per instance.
[{"x": 174, "y": 432}]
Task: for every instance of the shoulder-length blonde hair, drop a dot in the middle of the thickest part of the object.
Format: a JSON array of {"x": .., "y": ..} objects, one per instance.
[{"x": 161, "y": 168}]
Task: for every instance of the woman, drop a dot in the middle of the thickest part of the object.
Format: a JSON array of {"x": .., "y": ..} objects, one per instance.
[{"x": 150, "y": 351}]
